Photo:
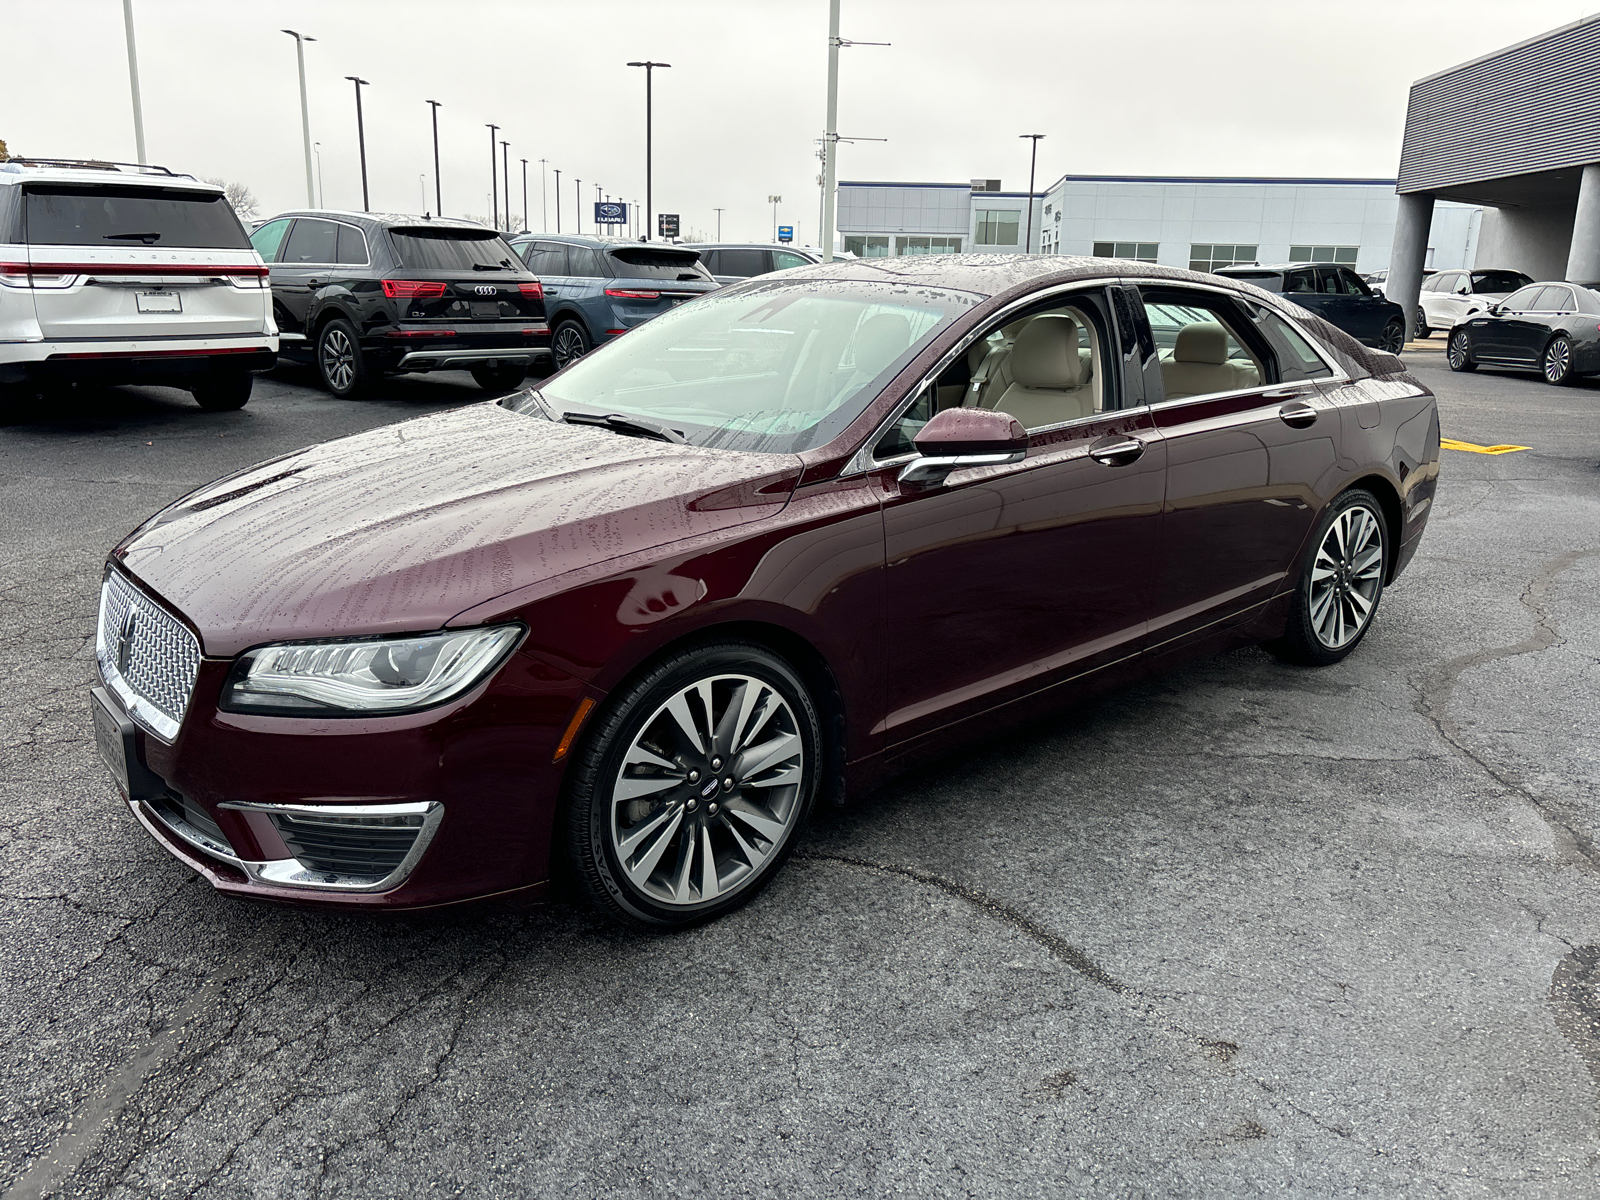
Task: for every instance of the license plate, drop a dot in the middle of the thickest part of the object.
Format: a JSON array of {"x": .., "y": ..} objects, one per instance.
[
  {"x": 158, "y": 302},
  {"x": 485, "y": 310},
  {"x": 114, "y": 739}
]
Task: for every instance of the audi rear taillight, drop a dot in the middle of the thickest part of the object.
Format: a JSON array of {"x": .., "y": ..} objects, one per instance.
[
  {"x": 632, "y": 294},
  {"x": 412, "y": 289},
  {"x": 533, "y": 291}
]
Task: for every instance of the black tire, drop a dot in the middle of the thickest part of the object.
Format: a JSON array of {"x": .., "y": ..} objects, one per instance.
[
  {"x": 569, "y": 342},
  {"x": 1393, "y": 337},
  {"x": 340, "y": 362},
  {"x": 1458, "y": 351},
  {"x": 1420, "y": 324},
  {"x": 598, "y": 823},
  {"x": 1317, "y": 632},
  {"x": 223, "y": 392},
  {"x": 1555, "y": 364},
  {"x": 500, "y": 378}
]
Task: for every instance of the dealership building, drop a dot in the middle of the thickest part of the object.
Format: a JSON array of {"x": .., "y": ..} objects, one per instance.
[
  {"x": 1516, "y": 132},
  {"x": 1181, "y": 221}
]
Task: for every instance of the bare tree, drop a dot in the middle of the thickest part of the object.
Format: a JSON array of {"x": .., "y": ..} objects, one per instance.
[{"x": 245, "y": 205}]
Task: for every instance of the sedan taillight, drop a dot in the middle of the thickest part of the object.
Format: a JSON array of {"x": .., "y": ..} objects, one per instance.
[
  {"x": 412, "y": 289},
  {"x": 631, "y": 294}
]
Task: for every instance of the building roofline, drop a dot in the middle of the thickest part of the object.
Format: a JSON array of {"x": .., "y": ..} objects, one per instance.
[
  {"x": 1346, "y": 181},
  {"x": 1503, "y": 50}
]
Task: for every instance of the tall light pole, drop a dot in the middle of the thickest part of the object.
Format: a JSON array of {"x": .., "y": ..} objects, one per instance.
[
  {"x": 322, "y": 199},
  {"x": 557, "y": 170},
  {"x": 649, "y": 196},
  {"x": 577, "y": 202},
  {"x": 831, "y": 138},
  {"x": 300, "y": 41},
  {"x": 422, "y": 189},
  {"x": 773, "y": 200},
  {"x": 133, "y": 81},
  {"x": 544, "y": 199},
  {"x": 1033, "y": 158},
  {"x": 505, "y": 177},
  {"x": 719, "y": 213},
  {"x": 525, "y": 193},
  {"x": 494, "y": 193},
  {"x": 438, "y": 189},
  {"x": 361, "y": 139}
]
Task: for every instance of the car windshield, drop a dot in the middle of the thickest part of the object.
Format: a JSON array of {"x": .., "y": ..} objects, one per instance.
[
  {"x": 774, "y": 367},
  {"x": 1498, "y": 281},
  {"x": 451, "y": 249}
]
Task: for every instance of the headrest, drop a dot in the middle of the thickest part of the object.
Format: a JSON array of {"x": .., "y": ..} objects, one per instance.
[
  {"x": 1205, "y": 342},
  {"x": 1046, "y": 354},
  {"x": 880, "y": 341}
]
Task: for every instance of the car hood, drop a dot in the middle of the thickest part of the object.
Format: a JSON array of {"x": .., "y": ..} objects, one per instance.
[{"x": 401, "y": 528}]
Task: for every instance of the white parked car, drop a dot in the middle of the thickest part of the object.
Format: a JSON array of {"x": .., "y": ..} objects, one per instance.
[
  {"x": 116, "y": 273},
  {"x": 1450, "y": 297}
]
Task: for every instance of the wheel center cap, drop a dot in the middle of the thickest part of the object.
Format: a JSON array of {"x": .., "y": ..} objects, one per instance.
[{"x": 710, "y": 788}]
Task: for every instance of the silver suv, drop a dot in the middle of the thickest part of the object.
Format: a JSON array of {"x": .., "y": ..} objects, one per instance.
[{"x": 115, "y": 273}]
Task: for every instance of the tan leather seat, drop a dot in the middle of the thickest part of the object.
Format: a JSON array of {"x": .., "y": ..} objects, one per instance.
[
  {"x": 1200, "y": 365},
  {"x": 1049, "y": 382}
]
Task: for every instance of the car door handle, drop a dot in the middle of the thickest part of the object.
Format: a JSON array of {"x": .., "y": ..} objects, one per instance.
[
  {"x": 313, "y": 283},
  {"x": 1297, "y": 414},
  {"x": 1116, "y": 451}
]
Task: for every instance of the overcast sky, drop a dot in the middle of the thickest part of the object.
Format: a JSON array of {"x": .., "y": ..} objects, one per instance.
[{"x": 1226, "y": 87}]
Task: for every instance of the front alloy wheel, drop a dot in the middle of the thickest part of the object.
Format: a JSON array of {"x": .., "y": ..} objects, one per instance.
[
  {"x": 1341, "y": 584},
  {"x": 1556, "y": 362},
  {"x": 689, "y": 795},
  {"x": 568, "y": 344},
  {"x": 1458, "y": 352},
  {"x": 1393, "y": 338}
]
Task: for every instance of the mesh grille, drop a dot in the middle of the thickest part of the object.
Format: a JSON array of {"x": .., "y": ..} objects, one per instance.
[
  {"x": 348, "y": 847},
  {"x": 150, "y": 649}
]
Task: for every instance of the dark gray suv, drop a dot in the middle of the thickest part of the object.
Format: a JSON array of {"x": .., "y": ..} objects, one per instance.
[{"x": 1336, "y": 294}]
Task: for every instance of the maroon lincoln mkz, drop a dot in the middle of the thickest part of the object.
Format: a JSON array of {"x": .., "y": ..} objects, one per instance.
[{"x": 770, "y": 547}]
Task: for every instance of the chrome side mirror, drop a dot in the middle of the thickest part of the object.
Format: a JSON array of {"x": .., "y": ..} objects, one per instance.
[{"x": 964, "y": 437}]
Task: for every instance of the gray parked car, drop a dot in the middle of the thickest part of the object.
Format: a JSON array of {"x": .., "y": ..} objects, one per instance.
[
  {"x": 597, "y": 288},
  {"x": 733, "y": 262}
]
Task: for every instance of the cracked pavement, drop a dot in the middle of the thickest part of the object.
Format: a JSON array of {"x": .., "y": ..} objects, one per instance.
[{"x": 1243, "y": 929}]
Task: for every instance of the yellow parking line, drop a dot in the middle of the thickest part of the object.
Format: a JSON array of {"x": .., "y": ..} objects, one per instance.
[{"x": 1452, "y": 444}]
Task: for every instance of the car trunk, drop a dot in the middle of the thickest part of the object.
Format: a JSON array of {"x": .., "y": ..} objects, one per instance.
[
  {"x": 648, "y": 280},
  {"x": 130, "y": 263},
  {"x": 461, "y": 277}
]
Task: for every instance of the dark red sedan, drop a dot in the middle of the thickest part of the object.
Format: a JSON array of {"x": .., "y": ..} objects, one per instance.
[{"x": 766, "y": 549}]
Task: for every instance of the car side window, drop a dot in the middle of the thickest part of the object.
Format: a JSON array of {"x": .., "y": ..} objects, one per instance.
[
  {"x": 311, "y": 242},
  {"x": 1461, "y": 285},
  {"x": 1328, "y": 281},
  {"x": 1353, "y": 283},
  {"x": 1553, "y": 299},
  {"x": 782, "y": 260},
  {"x": 1202, "y": 347},
  {"x": 744, "y": 263},
  {"x": 1299, "y": 281},
  {"x": 1522, "y": 301},
  {"x": 710, "y": 260},
  {"x": 546, "y": 258},
  {"x": 583, "y": 263},
  {"x": 1297, "y": 359},
  {"x": 269, "y": 238},
  {"x": 352, "y": 246}
]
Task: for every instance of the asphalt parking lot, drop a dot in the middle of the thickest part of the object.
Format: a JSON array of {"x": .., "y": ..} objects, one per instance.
[{"x": 1247, "y": 929}]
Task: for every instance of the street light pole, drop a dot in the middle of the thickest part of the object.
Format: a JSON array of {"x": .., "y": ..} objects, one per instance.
[
  {"x": 649, "y": 195},
  {"x": 557, "y": 170},
  {"x": 577, "y": 202},
  {"x": 361, "y": 140},
  {"x": 544, "y": 199},
  {"x": 525, "y": 193},
  {"x": 300, "y": 41},
  {"x": 316, "y": 148},
  {"x": 719, "y": 213},
  {"x": 773, "y": 200},
  {"x": 1033, "y": 158},
  {"x": 830, "y": 144},
  {"x": 133, "y": 81},
  {"x": 438, "y": 188},
  {"x": 505, "y": 178},
  {"x": 494, "y": 192}
]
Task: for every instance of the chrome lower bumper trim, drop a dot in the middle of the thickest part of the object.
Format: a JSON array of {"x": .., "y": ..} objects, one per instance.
[{"x": 434, "y": 360}]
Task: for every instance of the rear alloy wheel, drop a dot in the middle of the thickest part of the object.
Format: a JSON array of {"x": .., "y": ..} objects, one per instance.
[
  {"x": 569, "y": 343},
  {"x": 1458, "y": 351},
  {"x": 499, "y": 378},
  {"x": 1341, "y": 584},
  {"x": 1420, "y": 323},
  {"x": 1556, "y": 362},
  {"x": 690, "y": 790},
  {"x": 223, "y": 392},
  {"x": 1393, "y": 338},
  {"x": 340, "y": 362}
]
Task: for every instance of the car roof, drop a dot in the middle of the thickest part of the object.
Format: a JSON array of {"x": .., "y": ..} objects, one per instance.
[
  {"x": 601, "y": 241},
  {"x": 1293, "y": 266},
  {"x": 750, "y": 246},
  {"x": 386, "y": 220},
  {"x": 22, "y": 169}
]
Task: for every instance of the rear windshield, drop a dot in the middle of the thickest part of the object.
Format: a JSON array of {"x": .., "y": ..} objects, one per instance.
[
  {"x": 1498, "y": 281},
  {"x": 1269, "y": 280},
  {"x": 108, "y": 216},
  {"x": 451, "y": 249},
  {"x": 677, "y": 265}
]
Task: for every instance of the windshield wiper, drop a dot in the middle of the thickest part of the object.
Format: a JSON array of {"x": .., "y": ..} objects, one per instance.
[
  {"x": 146, "y": 238},
  {"x": 502, "y": 265},
  {"x": 624, "y": 424}
]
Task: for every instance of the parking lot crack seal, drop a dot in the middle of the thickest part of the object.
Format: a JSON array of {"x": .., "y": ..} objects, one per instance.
[
  {"x": 989, "y": 906},
  {"x": 1435, "y": 691}
]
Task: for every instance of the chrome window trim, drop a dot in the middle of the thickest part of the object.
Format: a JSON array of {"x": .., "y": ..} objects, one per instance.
[{"x": 327, "y": 266}]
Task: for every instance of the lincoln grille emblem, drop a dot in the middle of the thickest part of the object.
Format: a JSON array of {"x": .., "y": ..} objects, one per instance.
[{"x": 125, "y": 641}]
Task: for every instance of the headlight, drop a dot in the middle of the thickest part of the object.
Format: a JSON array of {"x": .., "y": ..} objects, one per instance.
[{"x": 372, "y": 675}]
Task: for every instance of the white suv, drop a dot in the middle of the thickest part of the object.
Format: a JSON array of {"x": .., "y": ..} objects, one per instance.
[{"x": 115, "y": 273}]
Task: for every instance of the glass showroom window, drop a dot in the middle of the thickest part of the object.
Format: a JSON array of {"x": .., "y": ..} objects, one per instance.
[
  {"x": 927, "y": 245},
  {"x": 1137, "y": 251},
  {"x": 1205, "y": 257},
  {"x": 866, "y": 246},
  {"x": 998, "y": 227},
  {"x": 1328, "y": 254}
]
